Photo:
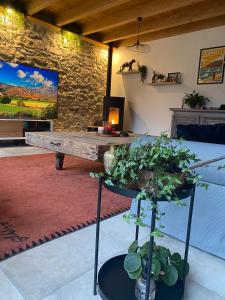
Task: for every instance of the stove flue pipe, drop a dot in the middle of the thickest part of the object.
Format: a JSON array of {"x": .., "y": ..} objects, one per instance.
[{"x": 109, "y": 70}]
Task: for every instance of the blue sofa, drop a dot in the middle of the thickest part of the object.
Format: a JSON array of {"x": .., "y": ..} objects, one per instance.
[{"x": 208, "y": 225}]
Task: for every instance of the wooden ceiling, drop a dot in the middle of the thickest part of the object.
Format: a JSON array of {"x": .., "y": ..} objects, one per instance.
[{"x": 116, "y": 20}]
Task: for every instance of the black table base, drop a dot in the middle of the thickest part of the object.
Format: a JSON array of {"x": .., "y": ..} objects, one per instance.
[
  {"x": 106, "y": 276},
  {"x": 114, "y": 283}
]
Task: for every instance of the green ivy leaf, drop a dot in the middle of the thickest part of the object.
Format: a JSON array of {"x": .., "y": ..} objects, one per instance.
[
  {"x": 142, "y": 252},
  {"x": 156, "y": 268},
  {"x": 132, "y": 262},
  {"x": 127, "y": 218},
  {"x": 162, "y": 259},
  {"x": 171, "y": 275},
  {"x": 145, "y": 247},
  {"x": 135, "y": 275},
  {"x": 175, "y": 257},
  {"x": 164, "y": 251},
  {"x": 133, "y": 247},
  {"x": 157, "y": 233},
  {"x": 180, "y": 267}
]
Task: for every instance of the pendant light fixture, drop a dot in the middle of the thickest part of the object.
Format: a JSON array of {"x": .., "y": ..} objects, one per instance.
[{"x": 139, "y": 47}]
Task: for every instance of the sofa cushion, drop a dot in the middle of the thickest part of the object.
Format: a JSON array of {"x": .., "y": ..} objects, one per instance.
[{"x": 202, "y": 133}]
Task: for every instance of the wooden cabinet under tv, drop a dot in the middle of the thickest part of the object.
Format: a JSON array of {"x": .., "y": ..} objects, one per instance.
[{"x": 15, "y": 128}]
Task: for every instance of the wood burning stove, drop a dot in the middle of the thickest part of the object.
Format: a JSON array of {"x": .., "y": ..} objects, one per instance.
[{"x": 113, "y": 111}]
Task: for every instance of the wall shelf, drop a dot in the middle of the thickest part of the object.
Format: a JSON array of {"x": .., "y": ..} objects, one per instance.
[
  {"x": 128, "y": 72},
  {"x": 164, "y": 83}
]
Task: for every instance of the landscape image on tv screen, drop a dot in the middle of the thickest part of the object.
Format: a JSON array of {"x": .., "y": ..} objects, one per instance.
[{"x": 27, "y": 92}]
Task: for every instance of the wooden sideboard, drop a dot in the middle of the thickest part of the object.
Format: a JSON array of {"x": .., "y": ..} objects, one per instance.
[
  {"x": 195, "y": 116},
  {"x": 15, "y": 128},
  {"x": 11, "y": 128}
]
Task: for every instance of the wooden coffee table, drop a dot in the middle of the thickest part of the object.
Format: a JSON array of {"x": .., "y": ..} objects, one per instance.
[{"x": 86, "y": 145}]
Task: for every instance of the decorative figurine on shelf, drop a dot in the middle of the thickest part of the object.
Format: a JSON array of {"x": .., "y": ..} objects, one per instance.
[
  {"x": 127, "y": 65},
  {"x": 158, "y": 77}
]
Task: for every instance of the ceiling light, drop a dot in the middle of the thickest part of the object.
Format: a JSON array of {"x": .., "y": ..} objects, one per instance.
[{"x": 138, "y": 46}]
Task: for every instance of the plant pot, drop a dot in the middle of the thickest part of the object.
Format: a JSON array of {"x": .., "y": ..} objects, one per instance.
[
  {"x": 146, "y": 176},
  {"x": 140, "y": 289},
  {"x": 108, "y": 158},
  {"x": 197, "y": 106}
]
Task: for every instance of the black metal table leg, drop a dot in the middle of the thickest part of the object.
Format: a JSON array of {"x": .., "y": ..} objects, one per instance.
[
  {"x": 188, "y": 233},
  {"x": 150, "y": 250},
  {"x": 97, "y": 234},
  {"x": 59, "y": 161},
  {"x": 138, "y": 215}
]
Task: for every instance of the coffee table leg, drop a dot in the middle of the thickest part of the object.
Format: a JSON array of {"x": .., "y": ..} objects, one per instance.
[{"x": 59, "y": 161}]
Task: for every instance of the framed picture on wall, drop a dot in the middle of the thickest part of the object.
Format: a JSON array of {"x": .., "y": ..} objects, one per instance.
[
  {"x": 174, "y": 77},
  {"x": 211, "y": 65}
]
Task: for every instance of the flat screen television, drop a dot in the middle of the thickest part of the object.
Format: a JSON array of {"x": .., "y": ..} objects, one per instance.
[{"x": 27, "y": 92}]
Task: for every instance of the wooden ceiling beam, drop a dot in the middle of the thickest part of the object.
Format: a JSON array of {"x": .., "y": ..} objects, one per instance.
[
  {"x": 35, "y": 6},
  {"x": 182, "y": 29},
  {"x": 144, "y": 10},
  {"x": 190, "y": 14},
  {"x": 86, "y": 8}
]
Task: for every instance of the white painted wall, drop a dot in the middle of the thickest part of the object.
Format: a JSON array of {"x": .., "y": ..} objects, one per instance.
[{"x": 147, "y": 107}]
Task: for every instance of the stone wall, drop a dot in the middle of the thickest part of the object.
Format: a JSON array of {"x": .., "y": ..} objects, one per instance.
[{"x": 82, "y": 70}]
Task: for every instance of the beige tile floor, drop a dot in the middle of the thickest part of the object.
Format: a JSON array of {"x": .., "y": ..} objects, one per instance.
[{"x": 63, "y": 269}]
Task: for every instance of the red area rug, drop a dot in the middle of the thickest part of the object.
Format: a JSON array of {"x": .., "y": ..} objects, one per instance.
[{"x": 38, "y": 203}]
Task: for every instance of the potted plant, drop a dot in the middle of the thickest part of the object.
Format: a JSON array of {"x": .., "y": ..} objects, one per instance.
[
  {"x": 195, "y": 100},
  {"x": 158, "y": 169},
  {"x": 166, "y": 267},
  {"x": 143, "y": 70}
]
